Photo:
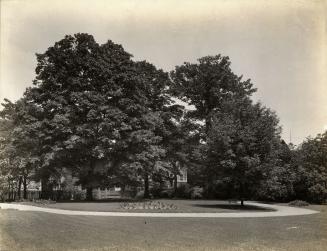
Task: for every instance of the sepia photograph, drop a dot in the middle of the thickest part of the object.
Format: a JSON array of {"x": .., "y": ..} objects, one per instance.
[{"x": 163, "y": 125}]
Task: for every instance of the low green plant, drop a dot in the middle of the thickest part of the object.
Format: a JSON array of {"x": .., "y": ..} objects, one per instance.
[
  {"x": 183, "y": 191},
  {"x": 166, "y": 193},
  {"x": 196, "y": 192},
  {"x": 298, "y": 203}
]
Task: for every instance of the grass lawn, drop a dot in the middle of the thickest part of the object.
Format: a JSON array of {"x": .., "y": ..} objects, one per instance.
[
  {"x": 42, "y": 231},
  {"x": 185, "y": 206}
]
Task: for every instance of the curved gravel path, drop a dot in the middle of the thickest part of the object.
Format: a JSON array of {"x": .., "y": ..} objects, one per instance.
[{"x": 280, "y": 211}]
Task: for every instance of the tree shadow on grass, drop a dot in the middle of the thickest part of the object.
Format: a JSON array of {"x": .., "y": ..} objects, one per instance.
[
  {"x": 114, "y": 200},
  {"x": 234, "y": 207}
]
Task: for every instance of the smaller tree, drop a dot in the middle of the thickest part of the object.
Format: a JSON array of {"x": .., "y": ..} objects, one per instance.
[
  {"x": 239, "y": 143},
  {"x": 279, "y": 175},
  {"x": 311, "y": 167},
  {"x": 19, "y": 143},
  {"x": 175, "y": 137}
]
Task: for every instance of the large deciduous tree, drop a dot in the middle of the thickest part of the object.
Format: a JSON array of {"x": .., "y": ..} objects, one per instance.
[
  {"x": 80, "y": 88},
  {"x": 151, "y": 122},
  {"x": 311, "y": 167},
  {"x": 98, "y": 105},
  {"x": 234, "y": 136},
  {"x": 240, "y": 142}
]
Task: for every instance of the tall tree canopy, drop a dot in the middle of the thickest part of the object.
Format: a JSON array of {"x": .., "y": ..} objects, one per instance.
[
  {"x": 111, "y": 120},
  {"x": 207, "y": 84},
  {"x": 79, "y": 90},
  {"x": 234, "y": 136},
  {"x": 98, "y": 105}
]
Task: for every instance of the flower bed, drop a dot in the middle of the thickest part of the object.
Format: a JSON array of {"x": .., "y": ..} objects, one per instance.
[{"x": 149, "y": 205}]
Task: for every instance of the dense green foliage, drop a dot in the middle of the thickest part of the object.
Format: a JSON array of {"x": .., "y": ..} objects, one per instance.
[
  {"x": 236, "y": 135},
  {"x": 311, "y": 169},
  {"x": 109, "y": 120}
]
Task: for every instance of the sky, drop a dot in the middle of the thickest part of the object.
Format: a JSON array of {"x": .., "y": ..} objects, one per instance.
[{"x": 280, "y": 45}]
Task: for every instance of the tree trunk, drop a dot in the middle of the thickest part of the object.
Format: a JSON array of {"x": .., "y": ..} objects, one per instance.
[
  {"x": 207, "y": 125},
  {"x": 45, "y": 189},
  {"x": 89, "y": 194},
  {"x": 175, "y": 184},
  {"x": 19, "y": 187},
  {"x": 14, "y": 194},
  {"x": 89, "y": 186},
  {"x": 208, "y": 187},
  {"x": 25, "y": 187},
  {"x": 123, "y": 189},
  {"x": 242, "y": 193},
  {"x": 146, "y": 186},
  {"x": 9, "y": 190}
]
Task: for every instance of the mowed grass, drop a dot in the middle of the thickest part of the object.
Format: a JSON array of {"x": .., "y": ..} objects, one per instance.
[
  {"x": 42, "y": 231},
  {"x": 185, "y": 206}
]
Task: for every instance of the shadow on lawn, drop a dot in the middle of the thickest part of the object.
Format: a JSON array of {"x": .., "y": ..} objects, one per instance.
[
  {"x": 235, "y": 207},
  {"x": 104, "y": 200}
]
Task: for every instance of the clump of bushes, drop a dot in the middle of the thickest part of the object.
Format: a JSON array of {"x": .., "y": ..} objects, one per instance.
[
  {"x": 139, "y": 195},
  {"x": 149, "y": 205},
  {"x": 167, "y": 193},
  {"x": 197, "y": 192},
  {"x": 129, "y": 193},
  {"x": 36, "y": 201},
  {"x": 188, "y": 192},
  {"x": 79, "y": 195},
  {"x": 183, "y": 192},
  {"x": 298, "y": 203},
  {"x": 155, "y": 191},
  {"x": 44, "y": 202}
]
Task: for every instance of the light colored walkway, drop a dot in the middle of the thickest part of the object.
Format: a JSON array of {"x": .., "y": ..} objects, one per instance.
[{"x": 280, "y": 211}]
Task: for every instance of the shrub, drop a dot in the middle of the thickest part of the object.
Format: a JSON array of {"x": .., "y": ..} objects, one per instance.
[
  {"x": 166, "y": 193},
  {"x": 79, "y": 195},
  {"x": 318, "y": 193},
  {"x": 139, "y": 195},
  {"x": 44, "y": 202},
  {"x": 4, "y": 188},
  {"x": 197, "y": 192},
  {"x": 183, "y": 191},
  {"x": 156, "y": 191},
  {"x": 129, "y": 193},
  {"x": 298, "y": 203}
]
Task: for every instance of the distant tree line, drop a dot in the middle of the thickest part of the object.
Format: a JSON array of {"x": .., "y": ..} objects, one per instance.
[{"x": 92, "y": 105}]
